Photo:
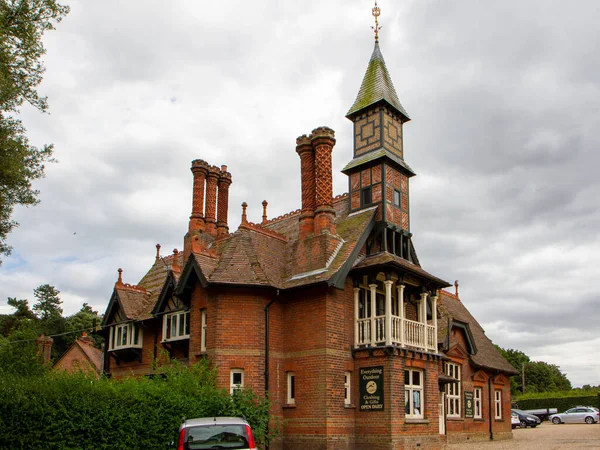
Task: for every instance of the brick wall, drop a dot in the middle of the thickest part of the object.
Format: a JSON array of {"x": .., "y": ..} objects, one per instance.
[{"x": 471, "y": 428}]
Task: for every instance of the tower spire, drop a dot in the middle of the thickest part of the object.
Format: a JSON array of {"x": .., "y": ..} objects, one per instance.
[{"x": 376, "y": 11}]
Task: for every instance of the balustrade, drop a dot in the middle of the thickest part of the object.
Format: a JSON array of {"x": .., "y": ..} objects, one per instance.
[{"x": 416, "y": 334}]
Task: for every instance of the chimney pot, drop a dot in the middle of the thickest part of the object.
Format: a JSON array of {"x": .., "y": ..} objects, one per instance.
[
  {"x": 264, "y": 217},
  {"x": 223, "y": 199},
  {"x": 244, "y": 217}
]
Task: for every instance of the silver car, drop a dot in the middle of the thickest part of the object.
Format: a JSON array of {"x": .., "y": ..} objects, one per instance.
[
  {"x": 215, "y": 433},
  {"x": 579, "y": 414}
]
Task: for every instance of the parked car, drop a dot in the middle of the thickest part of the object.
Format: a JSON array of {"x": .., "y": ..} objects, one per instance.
[
  {"x": 514, "y": 420},
  {"x": 579, "y": 414},
  {"x": 215, "y": 432},
  {"x": 527, "y": 420}
]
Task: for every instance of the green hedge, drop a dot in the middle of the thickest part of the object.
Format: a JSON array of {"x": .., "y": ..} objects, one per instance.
[
  {"x": 561, "y": 403},
  {"x": 63, "y": 412}
]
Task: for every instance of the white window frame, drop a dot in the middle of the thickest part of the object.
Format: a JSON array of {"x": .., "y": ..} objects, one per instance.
[
  {"x": 453, "y": 390},
  {"x": 498, "y": 404},
  {"x": 203, "y": 331},
  {"x": 477, "y": 403},
  {"x": 176, "y": 319},
  {"x": 132, "y": 333},
  {"x": 409, "y": 391},
  {"x": 291, "y": 388},
  {"x": 347, "y": 388},
  {"x": 235, "y": 386}
]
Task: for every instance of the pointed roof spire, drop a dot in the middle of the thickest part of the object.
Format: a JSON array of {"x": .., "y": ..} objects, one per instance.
[{"x": 377, "y": 84}]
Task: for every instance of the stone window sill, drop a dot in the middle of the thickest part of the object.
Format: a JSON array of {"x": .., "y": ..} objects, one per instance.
[
  {"x": 289, "y": 406},
  {"x": 416, "y": 421}
]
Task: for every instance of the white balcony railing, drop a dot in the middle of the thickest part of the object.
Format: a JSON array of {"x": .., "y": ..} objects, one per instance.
[{"x": 416, "y": 334}]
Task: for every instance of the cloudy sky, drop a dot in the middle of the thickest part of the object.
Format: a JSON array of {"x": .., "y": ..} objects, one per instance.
[{"x": 504, "y": 98}]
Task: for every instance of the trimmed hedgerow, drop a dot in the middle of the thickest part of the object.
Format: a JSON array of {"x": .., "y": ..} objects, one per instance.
[
  {"x": 560, "y": 403},
  {"x": 60, "y": 411}
]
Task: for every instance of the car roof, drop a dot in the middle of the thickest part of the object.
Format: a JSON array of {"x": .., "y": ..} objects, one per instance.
[{"x": 207, "y": 421}]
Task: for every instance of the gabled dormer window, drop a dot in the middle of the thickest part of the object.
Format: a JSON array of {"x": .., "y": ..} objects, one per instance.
[
  {"x": 176, "y": 326},
  {"x": 125, "y": 335}
]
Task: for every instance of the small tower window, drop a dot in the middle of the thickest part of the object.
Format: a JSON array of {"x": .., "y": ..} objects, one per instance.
[
  {"x": 365, "y": 196},
  {"x": 396, "y": 197}
]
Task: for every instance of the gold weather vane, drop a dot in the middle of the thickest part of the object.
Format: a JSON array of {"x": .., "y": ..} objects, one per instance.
[{"x": 376, "y": 28}]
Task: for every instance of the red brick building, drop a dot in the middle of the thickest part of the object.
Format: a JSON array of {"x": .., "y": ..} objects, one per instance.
[
  {"x": 327, "y": 308},
  {"x": 81, "y": 356}
]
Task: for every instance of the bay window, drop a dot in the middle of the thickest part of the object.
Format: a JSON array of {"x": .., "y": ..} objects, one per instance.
[
  {"x": 126, "y": 335},
  {"x": 176, "y": 326}
]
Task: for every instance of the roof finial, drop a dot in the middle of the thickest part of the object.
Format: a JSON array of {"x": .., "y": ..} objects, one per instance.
[
  {"x": 376, "y": 28},
  {"x": 157, "y": 252},
  {"x": 456, "y": 288}
]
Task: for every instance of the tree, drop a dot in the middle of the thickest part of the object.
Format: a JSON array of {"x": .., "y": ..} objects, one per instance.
[
  {"x": 539, "y": 375},
  {"x": 8, "y": 322},
  {"x": 48, "y": 306},
  {"x": 85, "y": 319},
  {"x": 22, "y": 25}
]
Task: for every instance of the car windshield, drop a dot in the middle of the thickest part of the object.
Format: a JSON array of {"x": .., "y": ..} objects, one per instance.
[
  {"x": 518, "y": 411},
  {"x": 216, "y": 436}
]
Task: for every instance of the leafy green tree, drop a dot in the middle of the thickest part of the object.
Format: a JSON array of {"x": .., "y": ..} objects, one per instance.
[
  {"x": 19, "y": 352},
  {"x": 85, "y": 319},
  {"x": 22, "y": 25},
  {"x": 539, "y": 375},
  {"x": 22, "y": 308},
  {"x": 8, "y": 322},
  {"x": 48, "y": 305},
  {"x": 516, "y": 358},
  {"x": 543, "y": 377}
]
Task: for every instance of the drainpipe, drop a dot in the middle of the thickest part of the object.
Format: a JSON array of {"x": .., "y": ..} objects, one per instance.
[
  {"x": 267, "y": 355},
  {"x": 267, "y": 342},
  {"x": 491, "y": 403}
]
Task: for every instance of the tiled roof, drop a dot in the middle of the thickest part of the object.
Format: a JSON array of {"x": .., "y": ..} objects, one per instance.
[
  {"x": 139, "y": 300},
  {"x": 266, "y": 255},
  {"x": 249, "y": 257},
  {"x": 388, "y": 258},
  {"x": 93, "y": 354},
  {"x": 450, "y": 307},
  {"x": 131, "y": 301},
  {"x": 376, "y": 154},
  {"x": 377, "y": 86}
]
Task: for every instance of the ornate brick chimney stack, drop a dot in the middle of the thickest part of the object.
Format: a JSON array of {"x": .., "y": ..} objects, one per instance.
[
  {"x": 322, "y": 142},
  {"x": 223, "y": 198},
  {"x": 200, "y": 170},
  {"x": 210, "y": 212},
  {"x": 307, "y": 174}
]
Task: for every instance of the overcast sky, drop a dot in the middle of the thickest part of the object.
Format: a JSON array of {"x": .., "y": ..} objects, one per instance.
[{"x": 504, "y": 99}]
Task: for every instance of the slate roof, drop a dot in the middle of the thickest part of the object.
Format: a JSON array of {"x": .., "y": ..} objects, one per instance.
[
  {"x": 487, "y": 357},
  {"x": 377, "y": 86}
]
